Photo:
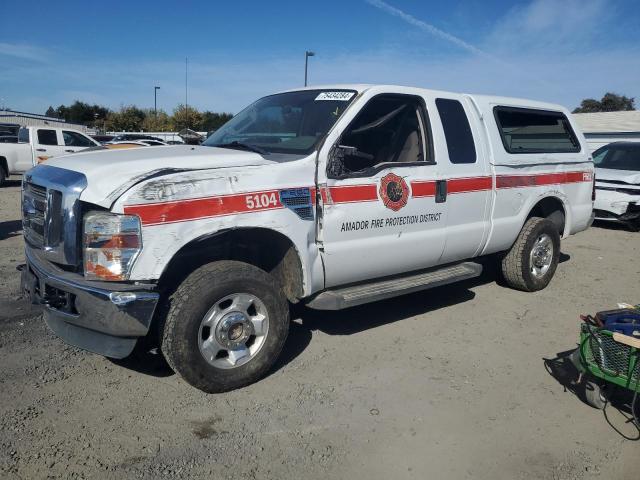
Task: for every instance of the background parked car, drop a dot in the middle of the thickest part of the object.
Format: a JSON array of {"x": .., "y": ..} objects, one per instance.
[
  {"x": 38, "y": 144},
  {"x": 125, "y": 137},
  {"x": 103, "y": 138},
  {"x": 125, "y": 145},
  {"x": 618, "y": 183},
  {"x": 135, "y": 143}
]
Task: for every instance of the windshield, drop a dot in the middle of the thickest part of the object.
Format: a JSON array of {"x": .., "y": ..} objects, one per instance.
[
  {"x": 618, "y": 157},
  {"x": 291, "y": 122}
]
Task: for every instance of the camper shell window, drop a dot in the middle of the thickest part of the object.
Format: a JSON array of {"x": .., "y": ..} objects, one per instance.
[{"x": 526, "y": 130}]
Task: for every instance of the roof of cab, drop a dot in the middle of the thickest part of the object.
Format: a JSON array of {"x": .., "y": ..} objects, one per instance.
[{"x": 485, "y": 99}]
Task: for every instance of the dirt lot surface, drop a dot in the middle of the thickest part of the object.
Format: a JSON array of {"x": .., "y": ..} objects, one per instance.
[{"x": 450, "y": 383}]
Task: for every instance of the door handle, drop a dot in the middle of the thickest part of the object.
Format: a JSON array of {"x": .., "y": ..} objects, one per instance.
[
  {"x": 41, "y": 149},
  {"x": 69, "y": 151},
  {"x": 441, "y": 191}
]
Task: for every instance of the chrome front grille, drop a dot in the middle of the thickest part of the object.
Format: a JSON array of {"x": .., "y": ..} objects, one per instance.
[
  {"x": 34, "y": 210},
  {"x": 51, "y": 212}
]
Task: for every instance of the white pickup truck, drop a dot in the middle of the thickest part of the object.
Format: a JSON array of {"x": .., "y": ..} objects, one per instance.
[
  {"x": 331, "y": 197},
  {"x": 37, "y": 144}
]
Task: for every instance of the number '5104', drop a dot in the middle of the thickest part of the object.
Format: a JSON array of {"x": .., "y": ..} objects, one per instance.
[{"x": 261, "y": 200}]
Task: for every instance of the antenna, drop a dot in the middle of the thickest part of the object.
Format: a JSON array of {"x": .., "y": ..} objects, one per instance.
[{"x": 186, "y": 90}]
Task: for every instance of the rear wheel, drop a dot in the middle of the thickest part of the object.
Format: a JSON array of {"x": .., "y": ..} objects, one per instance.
[
  {"x": 532, "y": 260},
  {"x": 226, "y": 326},
  {"x": 3, "y": 176}
]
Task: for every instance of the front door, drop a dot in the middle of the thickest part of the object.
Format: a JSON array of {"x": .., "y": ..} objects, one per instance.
[
  {"x": 381, "y": 212},
  {"x": 75, "y": 141}
]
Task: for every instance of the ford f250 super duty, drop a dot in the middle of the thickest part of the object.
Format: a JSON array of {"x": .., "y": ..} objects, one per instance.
[{"x": 331, "y": 197}]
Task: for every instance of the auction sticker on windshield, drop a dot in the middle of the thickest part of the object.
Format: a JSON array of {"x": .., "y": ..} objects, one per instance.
[{"x": 339, "y": 96}]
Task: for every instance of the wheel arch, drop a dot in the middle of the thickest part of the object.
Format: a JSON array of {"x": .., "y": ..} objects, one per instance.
[
  {"x": 554, "y": 208},
  {"x": 265, "y": 248}
]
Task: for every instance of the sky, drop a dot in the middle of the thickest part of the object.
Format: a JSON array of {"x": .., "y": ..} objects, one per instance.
[{"x": 114, "y": 53}]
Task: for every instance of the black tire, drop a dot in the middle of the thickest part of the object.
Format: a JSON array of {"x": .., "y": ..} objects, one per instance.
[
  {"x": 3, "y": 176},
  {"x": 516, "y": 264},
  {"x": 193, "y": 299},
  {"x": 595, "y": 394}
]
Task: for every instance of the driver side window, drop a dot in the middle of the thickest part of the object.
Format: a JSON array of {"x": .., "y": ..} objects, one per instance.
[{"x": 389, "y": 129}]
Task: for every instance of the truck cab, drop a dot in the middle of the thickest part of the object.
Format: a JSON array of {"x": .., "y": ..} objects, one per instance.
[
  {"x": 37, "y": 144},
  {"x": 327, "y": 196}
]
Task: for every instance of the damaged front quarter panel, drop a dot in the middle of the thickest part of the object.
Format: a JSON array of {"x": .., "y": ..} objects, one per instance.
[
  {"x": 118, "y": 192},
  {"x": 178, "y": 207}
]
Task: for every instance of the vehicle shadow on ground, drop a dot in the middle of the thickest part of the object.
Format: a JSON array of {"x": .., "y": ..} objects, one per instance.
[
  {"x": 613, "y": 226},
  {"x": 365, "y": 317},
  {"x": 10, "y": 228},
  {"x": 12, "y": 183},
  {"x": 563, "y": 370},
  {"x": 145, "y": 360},
  {"x": 373, "y": 315}
]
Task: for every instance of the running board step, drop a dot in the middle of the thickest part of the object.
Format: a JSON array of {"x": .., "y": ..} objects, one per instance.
[{"x": 351, "y": 296}]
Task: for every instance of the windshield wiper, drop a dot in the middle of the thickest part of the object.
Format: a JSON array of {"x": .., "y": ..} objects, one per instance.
[{"x": 245, "y": 146}]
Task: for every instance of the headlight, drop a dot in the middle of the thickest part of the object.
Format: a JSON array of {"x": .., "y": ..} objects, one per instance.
[{"x": 111, "y": 244}]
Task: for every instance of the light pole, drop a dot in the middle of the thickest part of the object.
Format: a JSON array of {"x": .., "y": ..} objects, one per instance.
[
  {"x": 307, "y": 54},
  {"x": 155, "y": 101}
]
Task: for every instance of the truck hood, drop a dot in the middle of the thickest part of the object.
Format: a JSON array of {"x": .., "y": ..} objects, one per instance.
[
  {"x": 112, "y": 172},
  {"x": 627, "y": 176}
]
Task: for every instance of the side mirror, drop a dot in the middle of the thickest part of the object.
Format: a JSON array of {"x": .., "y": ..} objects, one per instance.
[{"x": 347, "y": 150}]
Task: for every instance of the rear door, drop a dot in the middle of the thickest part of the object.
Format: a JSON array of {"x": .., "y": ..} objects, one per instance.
[
  {"x": 75, "y": 141},
  {"x": 380, "y": 211},
  {"x": 469, "y": 181},
  {"x": 46, "y": 144}
]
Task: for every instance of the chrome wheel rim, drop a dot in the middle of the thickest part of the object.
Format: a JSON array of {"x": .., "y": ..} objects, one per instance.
[
  {"x": 233, "y": 331},
  {"x": 541, "y": 256}
]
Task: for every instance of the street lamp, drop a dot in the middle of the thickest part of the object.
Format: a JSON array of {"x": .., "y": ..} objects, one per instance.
[
  {"x": 307, "y": 54},
  {"x": 155, "y": 100}
]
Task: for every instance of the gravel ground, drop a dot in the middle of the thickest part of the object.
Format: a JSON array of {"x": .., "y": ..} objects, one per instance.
[{"x": 449, "y": 383}]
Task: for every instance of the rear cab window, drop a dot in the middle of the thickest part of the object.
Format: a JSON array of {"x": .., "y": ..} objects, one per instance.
[
  {"x": 47, "y": 137},
  {"x": 527, "y": 130},
  {"x": 23, "y": 135},
  {"x": 457, "y": 131}
]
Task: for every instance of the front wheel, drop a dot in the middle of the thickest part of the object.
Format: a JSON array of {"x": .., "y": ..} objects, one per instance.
[
  {"x": 532, "y": 260},
  {"x": 225, "y": 327},
  {"x": 3, "y": 176}
]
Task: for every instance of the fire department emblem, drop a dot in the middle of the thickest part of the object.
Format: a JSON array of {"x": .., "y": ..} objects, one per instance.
[{"x": 394, "y": 192}]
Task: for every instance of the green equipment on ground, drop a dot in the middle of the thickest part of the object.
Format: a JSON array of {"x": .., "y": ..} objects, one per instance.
[{"x": 606, "y": 358}]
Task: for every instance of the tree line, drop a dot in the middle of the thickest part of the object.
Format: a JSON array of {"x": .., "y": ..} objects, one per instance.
[
  {"x": 130, "y": 118},
  {"x": 610, "y": 102}
]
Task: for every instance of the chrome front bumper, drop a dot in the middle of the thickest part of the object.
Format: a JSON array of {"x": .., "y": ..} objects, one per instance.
[{"x": 102, "y": 317}]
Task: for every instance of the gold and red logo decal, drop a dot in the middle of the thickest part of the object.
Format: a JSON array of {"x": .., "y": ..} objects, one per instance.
[{"x": 394, "y": 191}]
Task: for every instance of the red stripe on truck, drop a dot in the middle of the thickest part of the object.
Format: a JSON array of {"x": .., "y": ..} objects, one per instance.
[
  {"x": 353, "y": 193},
  {"x": 197, "y": 208},
  {"x": 215, "y": 206},
  {"x": 517, "y": 181},
  {"x": 423, "y": 189}
]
